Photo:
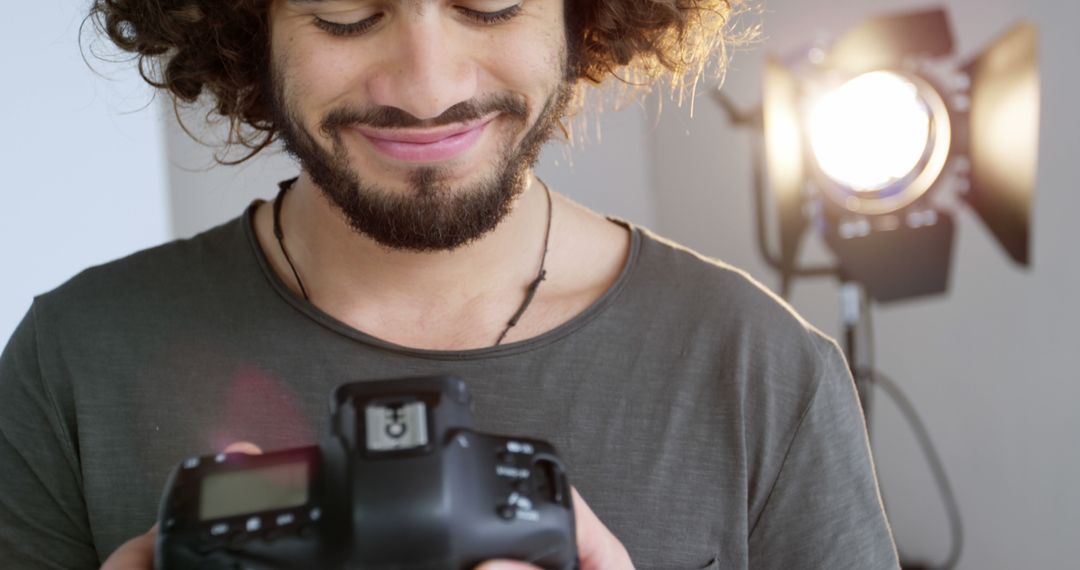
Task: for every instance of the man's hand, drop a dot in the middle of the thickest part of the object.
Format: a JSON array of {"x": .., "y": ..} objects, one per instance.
[
  {"x": 138, "y": 553},
  {"x": 598, "y": 549}
]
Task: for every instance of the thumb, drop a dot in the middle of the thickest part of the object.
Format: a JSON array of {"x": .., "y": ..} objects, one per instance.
[
  {"x": 597, "y": 546},
  {"x": 135, "y": 554}
]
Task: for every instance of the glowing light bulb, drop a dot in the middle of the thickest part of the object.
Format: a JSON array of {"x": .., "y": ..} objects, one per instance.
[{"x": 871, "y": 131}]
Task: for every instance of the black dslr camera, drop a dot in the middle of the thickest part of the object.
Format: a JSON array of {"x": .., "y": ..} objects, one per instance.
[{"x": 402, "y": 482}]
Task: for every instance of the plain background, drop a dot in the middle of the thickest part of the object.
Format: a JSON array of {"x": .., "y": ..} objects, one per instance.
[{"x": 95, "y": 168}]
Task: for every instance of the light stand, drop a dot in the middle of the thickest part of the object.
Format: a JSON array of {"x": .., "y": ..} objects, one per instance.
[{"x": 971, "y": 128}]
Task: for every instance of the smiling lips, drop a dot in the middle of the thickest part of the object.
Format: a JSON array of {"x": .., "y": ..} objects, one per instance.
[{"x": 426, "y": 145}]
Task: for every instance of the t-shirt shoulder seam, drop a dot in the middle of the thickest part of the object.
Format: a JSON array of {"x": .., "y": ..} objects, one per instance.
[
  {"x": 818, "y": 381},
  {"x": 675, "y": 247},
  {"x": 65, "y": 435},
  {"x": 130, "y": 261}
]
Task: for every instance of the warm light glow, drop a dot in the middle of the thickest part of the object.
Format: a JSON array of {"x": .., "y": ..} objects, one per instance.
[
  {"x": 783, "y": 134},
  {"x": 871, "y": 131}
]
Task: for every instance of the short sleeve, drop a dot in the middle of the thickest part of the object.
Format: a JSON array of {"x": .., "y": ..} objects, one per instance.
[
  {"x": 824, "y": 510},
  {"x": 43, "y": 521}
]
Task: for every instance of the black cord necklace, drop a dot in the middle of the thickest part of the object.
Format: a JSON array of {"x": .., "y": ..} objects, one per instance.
[{"x": 530, "y": 291}]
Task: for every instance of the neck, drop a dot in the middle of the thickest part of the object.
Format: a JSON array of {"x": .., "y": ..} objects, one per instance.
[{"x": 349, "y": 275}]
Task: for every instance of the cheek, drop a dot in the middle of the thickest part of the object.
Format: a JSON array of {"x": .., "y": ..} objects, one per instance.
[
  {"x": 531, "y": 67},
  {"x": 530, "y": 55},
  {"x": 317, "y": 78}
]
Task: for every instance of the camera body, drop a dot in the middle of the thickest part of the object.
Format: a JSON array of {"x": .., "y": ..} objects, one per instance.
[{"x": 402, "y": 481}]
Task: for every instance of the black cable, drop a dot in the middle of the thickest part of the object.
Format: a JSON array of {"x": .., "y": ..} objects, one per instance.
[
  {"x": 952, "y": 508},
  {"x": 870, "y": 377},
  {"x": 279, "y": 233},
  {"x": 530, "y": 292}
]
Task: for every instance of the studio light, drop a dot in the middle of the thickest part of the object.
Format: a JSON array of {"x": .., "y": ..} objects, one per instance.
[
  {"x": 872, "y": 135},
  {"x": 873, "y": 139},
  {"x": 873, "y": 142}
]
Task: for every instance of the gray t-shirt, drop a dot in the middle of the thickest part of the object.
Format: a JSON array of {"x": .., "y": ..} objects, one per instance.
[{"x": 704, "y": 422}]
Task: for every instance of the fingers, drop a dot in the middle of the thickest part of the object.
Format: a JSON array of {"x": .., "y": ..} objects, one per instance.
[
  {"x": 138, "y": 553},
  {"x": 598, "y": 548}
]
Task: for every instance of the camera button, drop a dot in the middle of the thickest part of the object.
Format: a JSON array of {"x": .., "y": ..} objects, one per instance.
[
  {"x": 253, "y": 524},
  {"x": 219, "y": 529}
]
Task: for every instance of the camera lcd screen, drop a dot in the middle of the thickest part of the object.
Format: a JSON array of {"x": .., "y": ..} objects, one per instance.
[{"x": 234, "y": 493}]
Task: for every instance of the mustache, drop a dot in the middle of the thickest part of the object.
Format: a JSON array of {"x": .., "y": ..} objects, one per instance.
[{"x": 384, "y": 117}]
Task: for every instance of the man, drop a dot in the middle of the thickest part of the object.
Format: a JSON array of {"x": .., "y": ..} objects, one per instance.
[{"x": 705, "y": 424}]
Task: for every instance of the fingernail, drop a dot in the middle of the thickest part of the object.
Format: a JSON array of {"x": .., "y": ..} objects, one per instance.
[{"x": 505, "y": 565}]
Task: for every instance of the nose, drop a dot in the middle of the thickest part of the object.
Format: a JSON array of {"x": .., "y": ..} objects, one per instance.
[{"x": 426, "y": 68}]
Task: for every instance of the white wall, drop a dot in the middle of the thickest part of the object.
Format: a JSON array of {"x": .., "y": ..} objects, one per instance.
[
  {"x": 81, "y": 155},
  {"x": 990, "y": 366}
]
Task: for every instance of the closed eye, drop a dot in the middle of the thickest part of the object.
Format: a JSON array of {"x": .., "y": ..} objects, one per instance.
[
  {"x": 361, "y": 26},
  {"x": 495, "y": 17},
  {"x": 349, "y": 29}
]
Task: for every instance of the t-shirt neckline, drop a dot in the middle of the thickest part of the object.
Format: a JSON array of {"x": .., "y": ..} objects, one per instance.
[{"x": 561, "y": 331}]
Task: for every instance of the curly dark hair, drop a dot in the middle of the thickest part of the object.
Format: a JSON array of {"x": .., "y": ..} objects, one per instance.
[{"x": 190, "y": 48}]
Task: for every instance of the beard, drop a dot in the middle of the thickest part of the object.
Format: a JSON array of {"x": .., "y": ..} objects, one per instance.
[{"x": 431, "y": 215}]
